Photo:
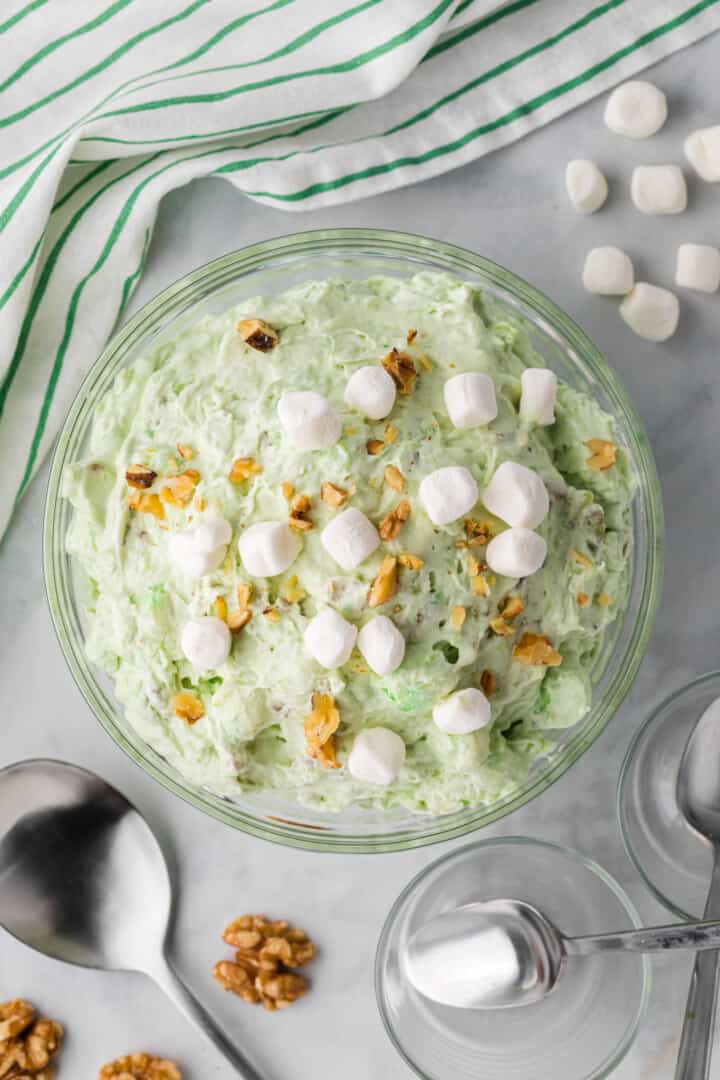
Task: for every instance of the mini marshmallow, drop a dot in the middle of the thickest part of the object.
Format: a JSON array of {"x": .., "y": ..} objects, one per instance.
[
  {"x": 377, "y": 756},
  {"x": 516, "y": 553},
  {"x": 206, "y": 641},
  {"x": 650, "y": 311},
  {"x": 350, "y": 538},
  {"x": 268, "y": 548},
  {"x": 608, "y": 271},
  {"x": 470, "y": 399},
  {"x": 586, "y": 186},
  {"x": 448, "y": 493},
  {"x": 200, "y": 549},
  {"x": 371, "y": 390},
  {"x": 463, "y": 712},
  {"x": 636, "y": 109},
  {"x": 309, "y": 420},
  {"x": 517, "y": 495},
  {"x": 382, "y": 645},
  {"x": 698, "y": 267},
  {"x": 702, "y": 149},
  {"x": 659, "y": 189},
  {"x": 537, "y": 397},
  {"x": 330, "y": 639}
]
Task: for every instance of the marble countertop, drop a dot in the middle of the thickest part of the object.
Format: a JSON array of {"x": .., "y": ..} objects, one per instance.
[{"x": 511, "y": 207}]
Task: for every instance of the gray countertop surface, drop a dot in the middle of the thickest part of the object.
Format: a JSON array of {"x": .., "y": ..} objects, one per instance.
[{"x": 510, "y": 206}]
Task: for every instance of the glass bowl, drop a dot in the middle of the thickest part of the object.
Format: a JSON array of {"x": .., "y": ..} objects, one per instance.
[
  {"x": 580, "y": 1031},
  {"x": 274, "y": 266}
]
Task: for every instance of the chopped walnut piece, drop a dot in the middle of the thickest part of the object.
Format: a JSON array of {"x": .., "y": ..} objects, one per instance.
[
  {"x": 291, "y": 592},
  {"x": 424, "y": 361},
  {"x": 271, "y": 614},
  {"x": 410, "y": 562},
  {"x": 499, "y": 626},
  {"x": 257, "y": 334},
  {"x": 385, "y": 584},
  {"x": 320, "y": 727},
  {"x": 402, "y": 371},
  {"x": 394, "y": 478},
  {"x": 288, "y": 490},
  {"x": 480, "y": 585},
  {"x": 200, "y": 504},
  {"x": 579, "y": 558},
  {"x": 187, "y": 707},
  {"x": 140, "y": 476},
  {"x": 242, "y": 469},
  {"x": 179, "y": 489},
  {"x": 583, "y": 599},
  {"x": 457, "y": 616},
  {"x": 411, "y": 335},
  {"x": 390, "y": 434},
  {"x": 27, "y": 1044},
  {"x": 535, "y": 649},
  {"x": 602, "y": 454},
  {"x": 332, "y": 494},
  {"x": 478, "y": 533},
  {"x": 603, "y": 599},
  {"x": 474, "y": 566},
  {"x": 244, "y": 593},
  {"x": 514, "y": 606},
  {"x": 300, "y": 519},
  {"x": 236, "y": 620},
  {"x": 146, "y": 504},
  {"x": 220, "y": 606},
  {"x": 186, "y": 452},
  {"x": 488, "y": 683},
  {"x": 374, "y": 447},
  {"x": 390, "y": 526},
  {"x": 140, "y": 1067}
]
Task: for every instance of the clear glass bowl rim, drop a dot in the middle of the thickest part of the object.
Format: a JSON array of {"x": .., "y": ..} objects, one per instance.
[
  {"x": 348, "y": 243},
  {"x": 518, "y": 841}
]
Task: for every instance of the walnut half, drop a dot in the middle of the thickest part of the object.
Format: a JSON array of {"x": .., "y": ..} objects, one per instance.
[
  {"x": 267, "y": 954},
  {"x": 27, "y": 1044},
  {"x": 140, "y": 1067}
]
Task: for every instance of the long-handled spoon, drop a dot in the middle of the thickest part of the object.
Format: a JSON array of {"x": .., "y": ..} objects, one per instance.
[
  {"x": 83, "y": 879},
  {"x": 502, "y": 953}
]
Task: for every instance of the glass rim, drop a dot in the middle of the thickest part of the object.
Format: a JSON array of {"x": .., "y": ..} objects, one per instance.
[
  {"x": 356, "y": 242},
  {"x": 515, "y": 841}
]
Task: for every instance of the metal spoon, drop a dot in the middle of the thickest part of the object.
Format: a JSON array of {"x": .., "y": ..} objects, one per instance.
[
  {"x": 698, "y": 796},
  {"x": 503, "y": 953},
  {"x": 83, "y": 879}
]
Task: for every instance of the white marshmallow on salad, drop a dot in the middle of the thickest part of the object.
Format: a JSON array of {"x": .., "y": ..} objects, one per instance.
[
  {"x": 698, "y": 267},
  {"x": 608, "y": 271},
  {"x": 200, "y": 549},
  {"x": 350, "y": 538},
  {"x": 650, "y": 311},
  {"x": 702, "y": 149},
  {"x": 517, "y": 495},
  {"x": 659, "y": 189},
  {"x": 470, "y": 399},
  {"x": 268, "y": 548},
  {"x": 448, "y": 493},
  {"x": 309, "y": 420},
  {"x": 464, "y": 711},
  {"x": 371, "y": 390},
  {"x": 516, "y": 553},
  {"x": 206, "y": 641},
  {"x": 377, "y": 756},
  {"x": 538, "y": 390},
  {"x": 382, "y": 645},
  {"x": 330, "y": 639},
  {"x": 637, "y": 109},
  {"x": 586, "y": 186}
]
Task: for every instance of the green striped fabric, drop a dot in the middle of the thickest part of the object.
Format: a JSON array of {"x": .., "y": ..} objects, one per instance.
[{"x": 107, "y": 105}]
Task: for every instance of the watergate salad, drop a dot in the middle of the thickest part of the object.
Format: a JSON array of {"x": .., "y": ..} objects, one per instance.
[{"x": 353, "y": 543}]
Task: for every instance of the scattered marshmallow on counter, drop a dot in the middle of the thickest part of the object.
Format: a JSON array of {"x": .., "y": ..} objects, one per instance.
[
  {"x": 206, "y": 642},
  {"x": 702, "y": 149},
  {"x": 650, "y": 311},
  {"x": 382, "y": 645},
  {"x": 608, "y": 271},
  {"x": 470, "y": 399},
  {"x": 516, "y": 553},
  {"x": 586, "y": 186},
  {"x": 537, "y": 395},
  {"x": 463, "y": 712},
  {"x": 200, "y": 549},
  {"x": 517, "y": 495},
  {"x": 377, "y": 756},
  {"x": 330, "y": 639},
  {"x": 350, "y": 538},
  {"x": 448, "y": 493},
  {"x": 698, "y": 267},
  {"x": 371, "y": 390},
  {"x": 636, "y": 109},
  {"x": 659, "y": 189},
  {"x": 309, "y": 420},
  {"x": 268, "y": 548}
]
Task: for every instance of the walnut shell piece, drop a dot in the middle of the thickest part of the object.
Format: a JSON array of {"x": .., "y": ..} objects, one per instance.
[
  {"x": 140, "y": 476},
  {"x": 258, "y": 334},
  {"x": 140, "y": 1067}
]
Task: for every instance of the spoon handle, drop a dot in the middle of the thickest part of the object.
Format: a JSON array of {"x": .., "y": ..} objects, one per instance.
[
  {"x": 697, "y": 936},
  {"x": 696, "y": 1041},
  {"x": 188, "y": 1004}
]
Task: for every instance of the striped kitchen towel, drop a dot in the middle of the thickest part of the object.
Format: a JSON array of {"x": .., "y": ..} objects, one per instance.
[{"x": 106, "y": 106}]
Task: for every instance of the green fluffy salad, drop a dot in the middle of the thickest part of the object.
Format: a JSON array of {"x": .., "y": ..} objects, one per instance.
[{"x": 190, "y": 434}]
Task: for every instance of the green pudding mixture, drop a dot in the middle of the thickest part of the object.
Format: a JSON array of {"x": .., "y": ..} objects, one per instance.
[{"x": 211, "y": 392}]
